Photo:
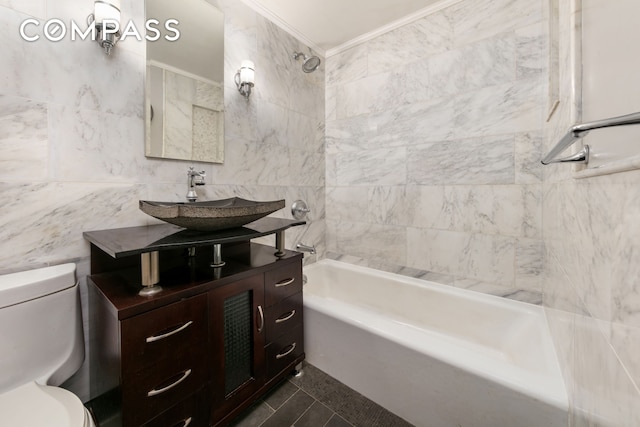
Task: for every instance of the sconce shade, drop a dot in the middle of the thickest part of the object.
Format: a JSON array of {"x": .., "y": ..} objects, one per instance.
[
  {"x": 247, "y": 72},
  {"x": 106, "y": 9},
  {"x": 245, "y": 78}
]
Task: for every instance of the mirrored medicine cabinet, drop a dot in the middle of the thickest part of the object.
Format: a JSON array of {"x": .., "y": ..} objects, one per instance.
[{"x": 184, "y": 101}]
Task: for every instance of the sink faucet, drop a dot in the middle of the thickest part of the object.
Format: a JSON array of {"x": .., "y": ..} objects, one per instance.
[{"x": 194, "y": 178}]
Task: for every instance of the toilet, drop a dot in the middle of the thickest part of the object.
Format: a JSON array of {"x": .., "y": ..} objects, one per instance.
[{"x": 41, "y": 346}]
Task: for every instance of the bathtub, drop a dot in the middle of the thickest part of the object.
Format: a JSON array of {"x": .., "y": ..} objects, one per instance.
[{"x": 433, "y": 354}]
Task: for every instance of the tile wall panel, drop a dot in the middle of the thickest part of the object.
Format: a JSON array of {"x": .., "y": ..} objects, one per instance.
[{"x": 432, "y": 135}]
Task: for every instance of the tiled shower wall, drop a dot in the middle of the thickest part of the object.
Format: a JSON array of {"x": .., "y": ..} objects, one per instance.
[
  {"x": 72, "y": 136},
  {"x": 433, "y": 145},
  {"x": 592, "y": 262}
]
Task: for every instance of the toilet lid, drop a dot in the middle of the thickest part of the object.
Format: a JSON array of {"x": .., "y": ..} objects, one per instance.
[{"x": 33, "y": 405}]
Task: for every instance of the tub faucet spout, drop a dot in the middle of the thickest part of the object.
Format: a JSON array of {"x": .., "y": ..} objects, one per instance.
[{"x": 304, "y": 248}]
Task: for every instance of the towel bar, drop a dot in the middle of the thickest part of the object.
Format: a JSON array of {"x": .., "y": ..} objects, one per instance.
[{"x": 581, "y": 130}]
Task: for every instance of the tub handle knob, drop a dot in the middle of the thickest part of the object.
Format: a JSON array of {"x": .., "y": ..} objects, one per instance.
[
  {"x": 286, "y": 316},
  {"x": 261, "y": 318},
  {"x": 286, "y": 353}
]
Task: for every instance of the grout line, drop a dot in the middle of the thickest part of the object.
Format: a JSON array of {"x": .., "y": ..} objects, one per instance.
[
  {"x": 341, "y": 417},
  {"x": 269, "y": 406},
  {"x": 302, "y": 415},
  {"x": 325, "y": 424},
  {"x": 289, "y": 398},
  {"x": 283, "y": 403},
  {"x": 265, "y": 420}
]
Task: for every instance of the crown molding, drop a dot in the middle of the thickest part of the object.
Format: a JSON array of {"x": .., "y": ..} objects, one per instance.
[
  {"x": 283, "y": 25},
  {"x": 277, "y": 20},
  {"x": 436, "y": 7}
]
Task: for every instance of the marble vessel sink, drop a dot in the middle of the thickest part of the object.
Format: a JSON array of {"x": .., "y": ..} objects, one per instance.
[{"x": 210, "y": 215}]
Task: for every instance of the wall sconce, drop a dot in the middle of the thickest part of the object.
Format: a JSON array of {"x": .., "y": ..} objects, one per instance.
[
  {"x": 245, "y": 78},
  {"x": 106, "y": 18}
]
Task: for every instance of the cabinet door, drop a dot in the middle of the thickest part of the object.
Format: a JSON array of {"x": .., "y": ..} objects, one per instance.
[{"x": 237, "y": 343}]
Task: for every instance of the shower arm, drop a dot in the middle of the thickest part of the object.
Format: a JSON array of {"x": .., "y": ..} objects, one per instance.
[{"x": 578, "y": 131}]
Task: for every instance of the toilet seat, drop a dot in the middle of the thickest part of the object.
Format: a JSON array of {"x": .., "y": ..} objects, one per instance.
[{"x": 33, "y": 405}]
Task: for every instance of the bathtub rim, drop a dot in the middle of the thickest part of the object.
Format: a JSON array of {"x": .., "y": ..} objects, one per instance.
[{"x": 548, "y": 388}]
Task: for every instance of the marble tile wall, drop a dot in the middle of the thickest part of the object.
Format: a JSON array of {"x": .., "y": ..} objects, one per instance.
[
  {"x": 72, "y": 136},
  {"x": 591, "y": 230},
  {"x": 434, "y": 132}
]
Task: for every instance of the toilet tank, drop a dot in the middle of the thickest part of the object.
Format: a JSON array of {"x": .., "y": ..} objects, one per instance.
[{"x": 40, "y": 326}]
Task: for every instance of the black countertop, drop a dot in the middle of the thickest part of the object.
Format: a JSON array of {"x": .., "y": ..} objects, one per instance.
[{"x": 122, "y": 242}]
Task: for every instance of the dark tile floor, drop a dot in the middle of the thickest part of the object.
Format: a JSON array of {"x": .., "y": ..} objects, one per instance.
[{"x": 316, "y": 400}]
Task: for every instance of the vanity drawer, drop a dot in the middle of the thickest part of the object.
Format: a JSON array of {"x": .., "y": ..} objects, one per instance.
[
  {"x": 283, "y": 316},
  {"x": 284, "y": 350},
  {"x": 150, "y": 392},
  {"x": 282, "y": 282},
  {"x": 170, "y": 332},
  {"x": 191, "y": 412}
]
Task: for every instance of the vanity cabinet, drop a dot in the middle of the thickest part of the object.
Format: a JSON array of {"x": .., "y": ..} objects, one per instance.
[
  {"x": 163, "y": 358},
  {"x": 206, "y": 347}
]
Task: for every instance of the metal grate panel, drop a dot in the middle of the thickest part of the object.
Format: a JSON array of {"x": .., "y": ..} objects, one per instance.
[{"x": 238, "y": 341}]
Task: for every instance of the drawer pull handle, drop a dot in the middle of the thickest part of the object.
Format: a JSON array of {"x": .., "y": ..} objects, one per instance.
[
  {"x": 285, "y": 282},
  {"x": 156, "y": 392},
  {"x": 187, "y": 422},
  {"x": 286, "y": 353},
  {"x": 286, "y": 316},
  {"x": 168, "y": 334},
  {"x": 261, "y": 317}
]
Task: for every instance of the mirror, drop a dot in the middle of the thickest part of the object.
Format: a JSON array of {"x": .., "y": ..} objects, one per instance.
[{"x": 184, "y": 100}]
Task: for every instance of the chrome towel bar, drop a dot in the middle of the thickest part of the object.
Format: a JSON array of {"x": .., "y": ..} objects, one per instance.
[{"x": 581, "y": 130}]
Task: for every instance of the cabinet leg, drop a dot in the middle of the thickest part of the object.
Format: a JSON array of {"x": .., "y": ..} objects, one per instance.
[
  {"x": 297, "y": 371},
  {"x": 217, "y": 256},
  {"x": 279, "y": 244},
  {"x": 150, "y": 265}
]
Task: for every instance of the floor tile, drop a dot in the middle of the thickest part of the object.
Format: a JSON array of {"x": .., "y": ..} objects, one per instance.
[
  {"x": 288, "y": 413},
  {"x": 346, "y": 402},
  {"x": 254, "y": 416},
  {"x": 316, "y": 415},
  {"x": 280, "y": 394},
  {"x": 317, "y": 400},
  {"x": 389, "y": 419},
  {"x": 337, "y": 421}
]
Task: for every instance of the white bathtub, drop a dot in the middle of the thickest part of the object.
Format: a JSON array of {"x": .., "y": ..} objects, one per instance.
[{"x": 433, "y": 354}]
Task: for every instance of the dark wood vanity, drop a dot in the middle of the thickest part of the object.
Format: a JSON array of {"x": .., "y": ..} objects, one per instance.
[{"x": 210, "y": 343}]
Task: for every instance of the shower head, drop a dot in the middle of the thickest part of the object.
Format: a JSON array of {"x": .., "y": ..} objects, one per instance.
[{"x": 309, "y": 63}]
